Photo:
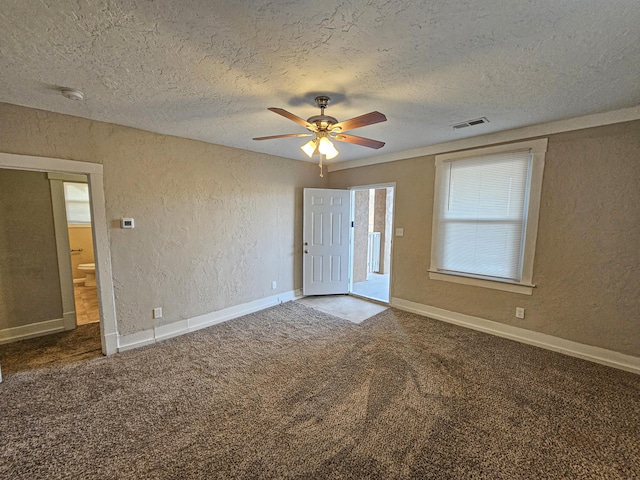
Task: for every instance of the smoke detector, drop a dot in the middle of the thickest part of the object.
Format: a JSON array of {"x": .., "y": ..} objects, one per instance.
[{"x": 72, "y": 94}]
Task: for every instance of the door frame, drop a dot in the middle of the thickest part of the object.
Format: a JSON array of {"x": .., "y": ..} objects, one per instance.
[
  {"x": 352, "y": 236},
  {"x": 56, "y": 184},
  {"x": 104, "y": 276}
]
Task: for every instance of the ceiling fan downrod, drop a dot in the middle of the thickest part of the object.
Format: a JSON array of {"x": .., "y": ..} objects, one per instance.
[{"x": 322, "y": 101}]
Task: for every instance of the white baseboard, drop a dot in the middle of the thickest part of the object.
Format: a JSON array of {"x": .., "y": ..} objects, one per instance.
[
  {"x": 163, "y": 332},
  {"x": 110, "y": 344},
  {"x": 135, "y": 340},
  {"x": 549, "y": 342},
  {"x": 32, "y": 330}
]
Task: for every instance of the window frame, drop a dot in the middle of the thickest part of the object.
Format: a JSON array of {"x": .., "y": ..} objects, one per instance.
[
  {"x": 538, "y": 149},
  {"x": 73, "y": 223}
]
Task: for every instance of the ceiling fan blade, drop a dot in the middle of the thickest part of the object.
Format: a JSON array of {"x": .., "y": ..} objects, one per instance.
[
  {"x": 293, "y": 117},
  {"x": 365, "y": 142},
  {"x": 287, "y": 135},
  {"x": 361, "y": 121}
]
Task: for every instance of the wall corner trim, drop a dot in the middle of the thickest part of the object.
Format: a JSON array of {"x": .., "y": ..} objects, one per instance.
[
  {"x": 164, "y": 332},
  {"x": 599, "y": 355}
]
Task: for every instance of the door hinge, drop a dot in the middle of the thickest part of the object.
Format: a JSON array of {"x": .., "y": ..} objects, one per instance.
[{"x": 353, "y": 224}]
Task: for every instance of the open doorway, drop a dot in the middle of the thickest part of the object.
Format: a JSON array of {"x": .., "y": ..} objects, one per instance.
[
  {"x": 83, "y": 268},
  {"x": 105, "y": 291},
  {"x": 371, "y": 242},
  {"x": 46, "y": 307}
]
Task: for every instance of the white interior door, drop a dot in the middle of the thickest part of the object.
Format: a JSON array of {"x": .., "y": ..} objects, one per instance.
[{"x": 325, "y": 257}]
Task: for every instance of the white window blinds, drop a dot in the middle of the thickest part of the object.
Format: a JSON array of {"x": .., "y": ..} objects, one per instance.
[
  {"x": 76, "y": 197},
  {"x": 480, "y": 215}
]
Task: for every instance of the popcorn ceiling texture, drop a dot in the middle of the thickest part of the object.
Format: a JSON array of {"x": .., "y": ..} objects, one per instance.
[
  {"x": 214, "y": 226},
  {"x": 208, "y": 70},
  {"x": 587, "y": 256}
]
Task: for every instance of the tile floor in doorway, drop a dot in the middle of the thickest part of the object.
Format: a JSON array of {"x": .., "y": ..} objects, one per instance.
[
  {"x": 86, "y": 304},
  {"x": 350, "y": 308}
]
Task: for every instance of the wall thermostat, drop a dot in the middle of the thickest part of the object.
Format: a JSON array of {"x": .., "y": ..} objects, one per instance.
[{"x": 126, "y": 223}]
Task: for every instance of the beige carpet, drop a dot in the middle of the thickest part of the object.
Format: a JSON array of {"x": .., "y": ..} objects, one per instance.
[
  {"x": 291, "y": 392},
  {"x": 72, "y": 346}
]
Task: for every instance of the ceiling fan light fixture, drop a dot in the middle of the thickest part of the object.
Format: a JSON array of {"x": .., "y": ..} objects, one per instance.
[
  {"x": 327, "y": 128},
  {"x": 326, "y": 148},
  {"x": 310, "y": 147},
  {"x": 332, "y": 154}
]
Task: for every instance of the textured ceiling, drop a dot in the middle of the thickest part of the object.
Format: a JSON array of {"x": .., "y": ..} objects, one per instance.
[{"x": 208, "y": 69}]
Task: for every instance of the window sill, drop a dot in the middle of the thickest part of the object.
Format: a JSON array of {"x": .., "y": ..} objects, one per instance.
[{"x": 521, "y": 288}]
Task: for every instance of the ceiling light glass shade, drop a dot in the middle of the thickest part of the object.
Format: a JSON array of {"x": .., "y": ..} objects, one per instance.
[
  {"x": 309, "y": 148},
  {"x": 332, "y": 154},
  {"x": 325, "y": 146},
  {"x": 327, "y": 149}
]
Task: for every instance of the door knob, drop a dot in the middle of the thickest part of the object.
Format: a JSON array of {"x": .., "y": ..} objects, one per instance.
[
  {"x": 306, "y": 243},
  {"x": 306, "y": 251}
]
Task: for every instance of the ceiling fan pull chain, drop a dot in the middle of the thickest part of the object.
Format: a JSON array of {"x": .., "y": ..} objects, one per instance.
[{"x": 320, "y": 165}]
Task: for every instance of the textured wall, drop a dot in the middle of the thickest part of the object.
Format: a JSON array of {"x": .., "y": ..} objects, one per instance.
[
  {"x": 380, "y": 220},
  {"x": 587, "y": 256},
  {"x": 214, "y": 225},
  {"x": 80, "y": 238},
  {"x": 29, "y": 279},
  {"x": 388, "y": 231},
  {"x": 360, "y": 235}
]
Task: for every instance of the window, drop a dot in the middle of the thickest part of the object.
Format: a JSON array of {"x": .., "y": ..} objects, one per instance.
[
  {"x": 76, "y": 198},
  {"x": 485, "y": 216}
]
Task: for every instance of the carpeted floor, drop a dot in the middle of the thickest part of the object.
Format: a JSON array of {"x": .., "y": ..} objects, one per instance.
[
  {"x": 72, "y": 346},
  {"x": 291, "y": 392}
]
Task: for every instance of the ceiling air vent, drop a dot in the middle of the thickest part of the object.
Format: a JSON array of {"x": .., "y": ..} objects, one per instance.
[{"x": 470, "y": 123}]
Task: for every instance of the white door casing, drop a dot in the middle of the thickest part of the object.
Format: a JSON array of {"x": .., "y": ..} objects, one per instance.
[
  {"x": 94, "y": 173},
  {"x": 325, "y": 257}
]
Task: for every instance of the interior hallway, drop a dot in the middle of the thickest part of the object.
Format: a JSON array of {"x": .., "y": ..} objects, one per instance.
[
  {"x": 55, "y": 350},
  {"x": 61, "y": 348}
]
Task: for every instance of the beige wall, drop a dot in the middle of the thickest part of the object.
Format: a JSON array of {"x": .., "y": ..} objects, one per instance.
[
  {"x": 214, "y": 225},
  {"x": 587, "y": 256},
  {"x": 80, "y": 237},
  {"x": 29, "y": 278}
]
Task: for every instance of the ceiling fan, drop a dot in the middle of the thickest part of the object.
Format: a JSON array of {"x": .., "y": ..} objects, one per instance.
[{"x": 325, "y": 128}]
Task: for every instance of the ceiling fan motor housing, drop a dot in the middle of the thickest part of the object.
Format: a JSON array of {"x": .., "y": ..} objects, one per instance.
[{"x": 323, "y": 122}]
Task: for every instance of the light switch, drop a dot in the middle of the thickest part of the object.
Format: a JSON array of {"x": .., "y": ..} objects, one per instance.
[{"x": 399, "y": 232}]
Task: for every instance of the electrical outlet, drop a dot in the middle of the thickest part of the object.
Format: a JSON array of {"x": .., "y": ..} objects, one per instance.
[
  {"x": 274, "y": 284},
  {"x": 157, "y": 312},
  {"x": 519, "y": 312}
]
